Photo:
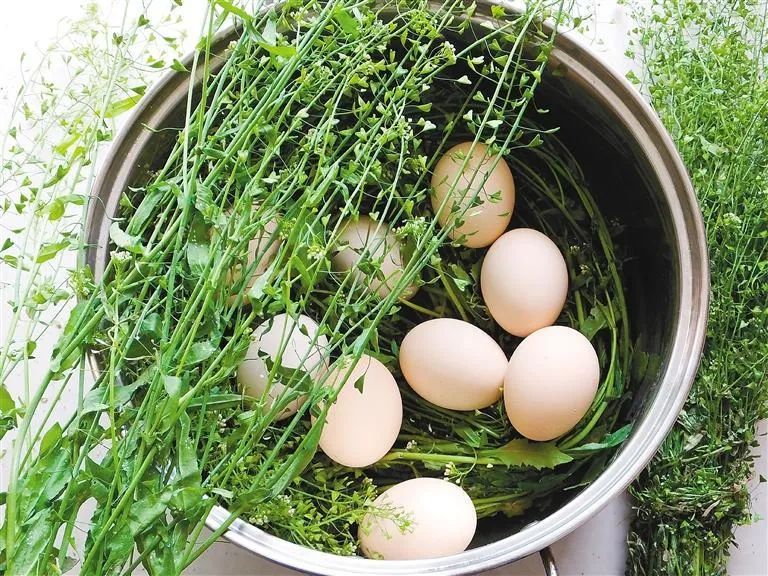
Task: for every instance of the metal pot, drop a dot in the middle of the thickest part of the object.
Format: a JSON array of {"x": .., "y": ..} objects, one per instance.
[{"x": 637, "y": 177}]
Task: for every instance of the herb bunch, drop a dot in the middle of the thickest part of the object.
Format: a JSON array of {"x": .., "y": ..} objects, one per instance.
[
  {"x": 503, "y": 473},
  {"x": 705, "y": 73},
  {"x": 320, "y": 111},
  {"x": 310, "y": 118}
]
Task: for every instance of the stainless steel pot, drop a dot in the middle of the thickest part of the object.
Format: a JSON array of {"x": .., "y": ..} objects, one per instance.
[{"x": 637, "y": 177}]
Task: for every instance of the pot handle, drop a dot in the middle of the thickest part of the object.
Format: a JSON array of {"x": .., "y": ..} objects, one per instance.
[{"x": 550, "y": 568}]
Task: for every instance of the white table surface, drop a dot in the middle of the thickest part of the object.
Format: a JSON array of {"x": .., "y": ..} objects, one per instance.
[{"x": 598, "y": 548}]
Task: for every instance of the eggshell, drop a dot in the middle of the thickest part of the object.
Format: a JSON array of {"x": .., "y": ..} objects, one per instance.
[
  {"x": 378, "y": 243},
  {"x": 524, "y": 281},
  {"x": 301, "y": 348},
  {"x": 361, "y": 427},
  {"x": 550, "y": 382},
  {"x": 453, "y": 364},
  {"x": 479, "y": 182},
  {"x": 262, "y": 249},
  {"x": 418, "y": 518}
]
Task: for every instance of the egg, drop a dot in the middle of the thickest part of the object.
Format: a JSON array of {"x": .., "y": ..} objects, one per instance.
[
  {"x": 302, "y": 347},
  {"x": 550, "y": 382},
  {"x": 486, "y": 191},
  {"x": 416, "y": 519},
  {"x": 524, "y": 281},
  {"x": 374, "y": 240},
  {"x": 453, "y": 364},
  {"x": 261, "y": 250},
  {"x": 264, "y": 247},
  {"x": 364, "y": 421}
]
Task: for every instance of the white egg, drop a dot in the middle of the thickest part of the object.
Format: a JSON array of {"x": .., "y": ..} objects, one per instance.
[
  {"x": 263, "y": 248},
  {"x": 261, "y": 251},
  {"x": 299, "y": 346},
  {"x": 418, "y": 518},
  {"x": 374, "y": 240},
  {"x": 550, "y": 383},
  {"x": 524, "y": 281},
  {"x": 481, "y": 196},
  {"x": 453, "y": 364},
  {"x": 364, "y": 421}
]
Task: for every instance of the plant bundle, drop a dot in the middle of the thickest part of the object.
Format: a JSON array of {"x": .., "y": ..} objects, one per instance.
[
  {"x": 320, "y": 111},
  {"x": 705, "y": 66}
]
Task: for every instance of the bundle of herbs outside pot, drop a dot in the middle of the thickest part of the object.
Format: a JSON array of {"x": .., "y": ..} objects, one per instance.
[{"x": 705, "y": 73}]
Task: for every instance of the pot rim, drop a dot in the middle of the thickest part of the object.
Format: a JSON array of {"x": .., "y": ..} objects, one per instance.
[{"x": 692, "y": 269}]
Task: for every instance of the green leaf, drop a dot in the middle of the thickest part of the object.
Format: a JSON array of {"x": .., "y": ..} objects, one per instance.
[
  {"x": 50, "y": 474},
  {"x": 50, "y": 438},
  {"x": 188, "y": 493},
  {"x": 162, "y": 558},
  {"x": 609, "y": 441},
  {"x": 58, "y": 176},
  {"x": 347, "y": 22},
  {"x": 118, "y": 546},
  {"x": 100, "y": 471},
  {"x": 197, "y": 257},
  {"x": 204, "y": 201},
  {"x": 216, "y": 401},
  {"x": 256, "y": 291},
  {"x": 283, "y": 51},
  {"x": 146, "y": 209},
  {"x": 178, "y": 66},
  {"x": 359, "y": 383},
  {"x": 55, "y": 209},
  {"x": 189, "y": 470},
  {"x": 198, "y": 247},
  {"x": 7, "y": 405},
  {"x": 172, "y": 385},
  {"x": 473, "y": 437},
  {"x": 711, "y": 147},
  {"x": 120, "y": 106},
  {"x": 300, "y": 459},
  {"x": 360, "y": 343},
  {"x": 98, "y": 399},
  {"x": 49, "y": 250},
  {"x": 224, "y": 493},
  {"x": 68, "y": 564},
  {"x": 269, "y": 32},
  {"x": 147, "y": 510},
  {"x": 30, "y": 548},
  {"x": 200, "y": 352},
  {"x": 62, "y": 147},
  {"x": 521, "y": 452},
  {"x": 125, "y": 240},
  {"x": 595, "y": 322},
  {"x": 151, "y": 325},
  {"x": 231, "y": 8},
  {"x": 76, "y": 316}
]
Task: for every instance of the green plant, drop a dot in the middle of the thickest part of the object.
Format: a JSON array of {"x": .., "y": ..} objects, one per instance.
[
  {"x": 705, "y": 64},
  {"x": 322, "y": 110}
]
